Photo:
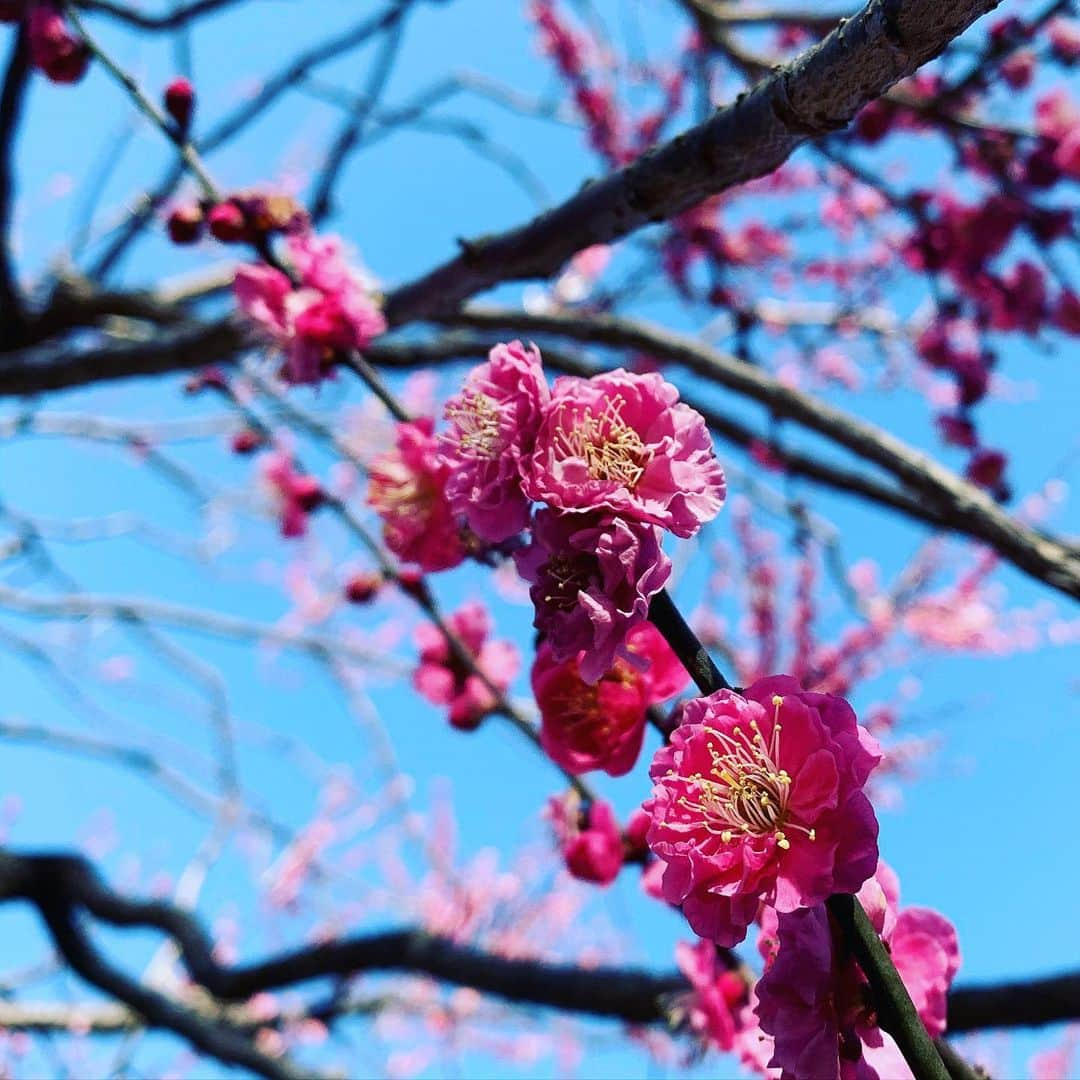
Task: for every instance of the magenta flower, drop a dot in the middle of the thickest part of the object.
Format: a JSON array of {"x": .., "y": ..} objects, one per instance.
[
  {"x": 711, "y": 1008},
  {"x": 623, "y": 442},
  {"x": 327, "y": 313},
  {"x": 759, "y": 797},
  {"x": 601, "y": 725},
  {"x": 444, "y": 679},
  {"x": 592, "y": 578},
  {"x": 293, "y": 495},
  {"x": 54, "y": 49},
  {"x": 493, "y": 424},
  {"x": 590, "y": 840},
  {"x": 407, "y": 488},
  {"x": 812, "y": 998}
]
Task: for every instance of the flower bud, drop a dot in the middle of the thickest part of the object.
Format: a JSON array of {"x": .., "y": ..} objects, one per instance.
[{"x": 180, "y": 103}]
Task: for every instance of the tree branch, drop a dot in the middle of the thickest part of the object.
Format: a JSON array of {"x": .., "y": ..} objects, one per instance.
[
  {"x": 12, "y": 96},
  {"x": 629, "y": 994},
  {"x": 817, "y": 94}
]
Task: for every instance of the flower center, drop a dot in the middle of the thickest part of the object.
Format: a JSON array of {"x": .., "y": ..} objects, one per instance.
[
  {"x": 610, "y": 448},
  {"x": 477, "y": 419},
  {"x": 564, "y": 578},
  {"x": 399, "y": 491},
  {"x": 747, "y": 792}
]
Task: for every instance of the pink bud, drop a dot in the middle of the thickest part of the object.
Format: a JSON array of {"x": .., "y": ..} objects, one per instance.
[
  {"x": 180, "y": 103},
  {"x": 53, "y": 48},
  {"x": 363, "y": 587},
  {"x": 227, "y": 223},
  {"x": 185, "y": 224}
]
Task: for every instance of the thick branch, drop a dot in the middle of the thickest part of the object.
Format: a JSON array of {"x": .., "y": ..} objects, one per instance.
[
  {"x": 628, "y": 994},
  {"x": 817, "y": 94},
  {"x": 12, "y": 96}
]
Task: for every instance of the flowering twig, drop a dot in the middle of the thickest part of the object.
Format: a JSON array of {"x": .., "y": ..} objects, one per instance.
[
  {"x": 183, "y": 144},
  {"x": 896, "y": 1010}
]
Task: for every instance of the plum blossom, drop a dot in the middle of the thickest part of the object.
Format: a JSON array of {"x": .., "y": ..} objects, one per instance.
[
  {"x": 54, "y": 49},
  {"x": 444, "y": 678},
  {"x": 592, "y": 577},
  {"x": 327, "y": 312},
  {"x": 601, "y": 725},
  {"x": 589, "y": 838},
  {"x": 811, "y": 998},
  {"x": 407, "y": 488},
  {"x": 759, "y": 797},
  {"x": 294, "y": 495},
  {"x": 493, "y": 424},
  {"x": 623, "y": 442},
  {"x": 711, "y": 1008}
]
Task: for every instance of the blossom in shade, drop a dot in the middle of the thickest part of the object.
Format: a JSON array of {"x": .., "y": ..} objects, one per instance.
[
  {"x": 759, "y": 797},
  {"x": 407, "y": 489},
  {"x": 294, "y": 495},
  {"x": 601, "y": 725},
  {"x": 812, "y": 997},
  {"x": 589, "y": 838},
  {"x": 493, "y": 423},
  {"x": 54, "y": 49},
  {"x": 444, "y": 677},
  {"x": 591, "y": 579},
  {"x": 327, "y": 312},
  {"x": 624, "y": 442},
  {"x": 711, "y": 1008}
]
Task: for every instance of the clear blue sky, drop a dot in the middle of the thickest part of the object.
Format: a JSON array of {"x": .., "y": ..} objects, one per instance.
[{"x": 984, "y": 835}]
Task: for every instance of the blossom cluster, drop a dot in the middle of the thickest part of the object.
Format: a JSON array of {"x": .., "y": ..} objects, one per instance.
[
  {"x": 55, "y": 50},
  {"x": 322, "y": 312}
]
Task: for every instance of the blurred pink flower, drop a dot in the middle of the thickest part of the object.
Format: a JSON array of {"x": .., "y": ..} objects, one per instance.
[
  {"x": 327, "y": 312},
  {"x": 407, "y": 488},
  {"x": 591, "y": 842},
  {"x": 444, "y": 679},
  {"x": 294, "y": 495}
]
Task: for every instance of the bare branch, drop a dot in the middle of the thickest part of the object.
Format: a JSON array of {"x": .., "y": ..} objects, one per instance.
[{"x": 817, "y": 94}]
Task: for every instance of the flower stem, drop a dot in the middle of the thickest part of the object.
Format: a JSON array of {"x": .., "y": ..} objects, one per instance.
[
  {"x": 895, "y": 1009},
  {"x": 667, "y": 618}
]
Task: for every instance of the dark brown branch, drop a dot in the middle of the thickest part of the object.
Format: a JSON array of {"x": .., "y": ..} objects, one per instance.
[
  {"x": 627, "y": 994},
  {"x": 11, "y": 102},
  {"x": 180, "y": 15},
  {"x": 817, "y": 94}
]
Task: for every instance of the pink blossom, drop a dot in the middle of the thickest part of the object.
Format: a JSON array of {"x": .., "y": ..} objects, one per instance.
[
  {"x": 493, "y": 424},
  {"x": 812, "y": 997},
  {"x": 623, "y": 442},
  {"x": 710, "y": 1008},
  {"x": 407, "y": 488},
  {"x": 328, "y": 312},
  {"x": 590, "y": 840},
  {"x": 592, "y": 577},
  {"x": 759, "y": 797},
  {"x": 293, "y": 494},
  {"x": 54, "y": 49},
  {"x": 601, "y": 725},
  {"x": 445, "y": 679}
]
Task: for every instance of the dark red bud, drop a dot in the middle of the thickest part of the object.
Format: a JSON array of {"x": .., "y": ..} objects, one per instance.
[{"x": 180, "y": 103}]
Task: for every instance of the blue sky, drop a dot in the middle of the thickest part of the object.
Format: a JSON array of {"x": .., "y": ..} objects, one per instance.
[{"x": 983, "y": 835}]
